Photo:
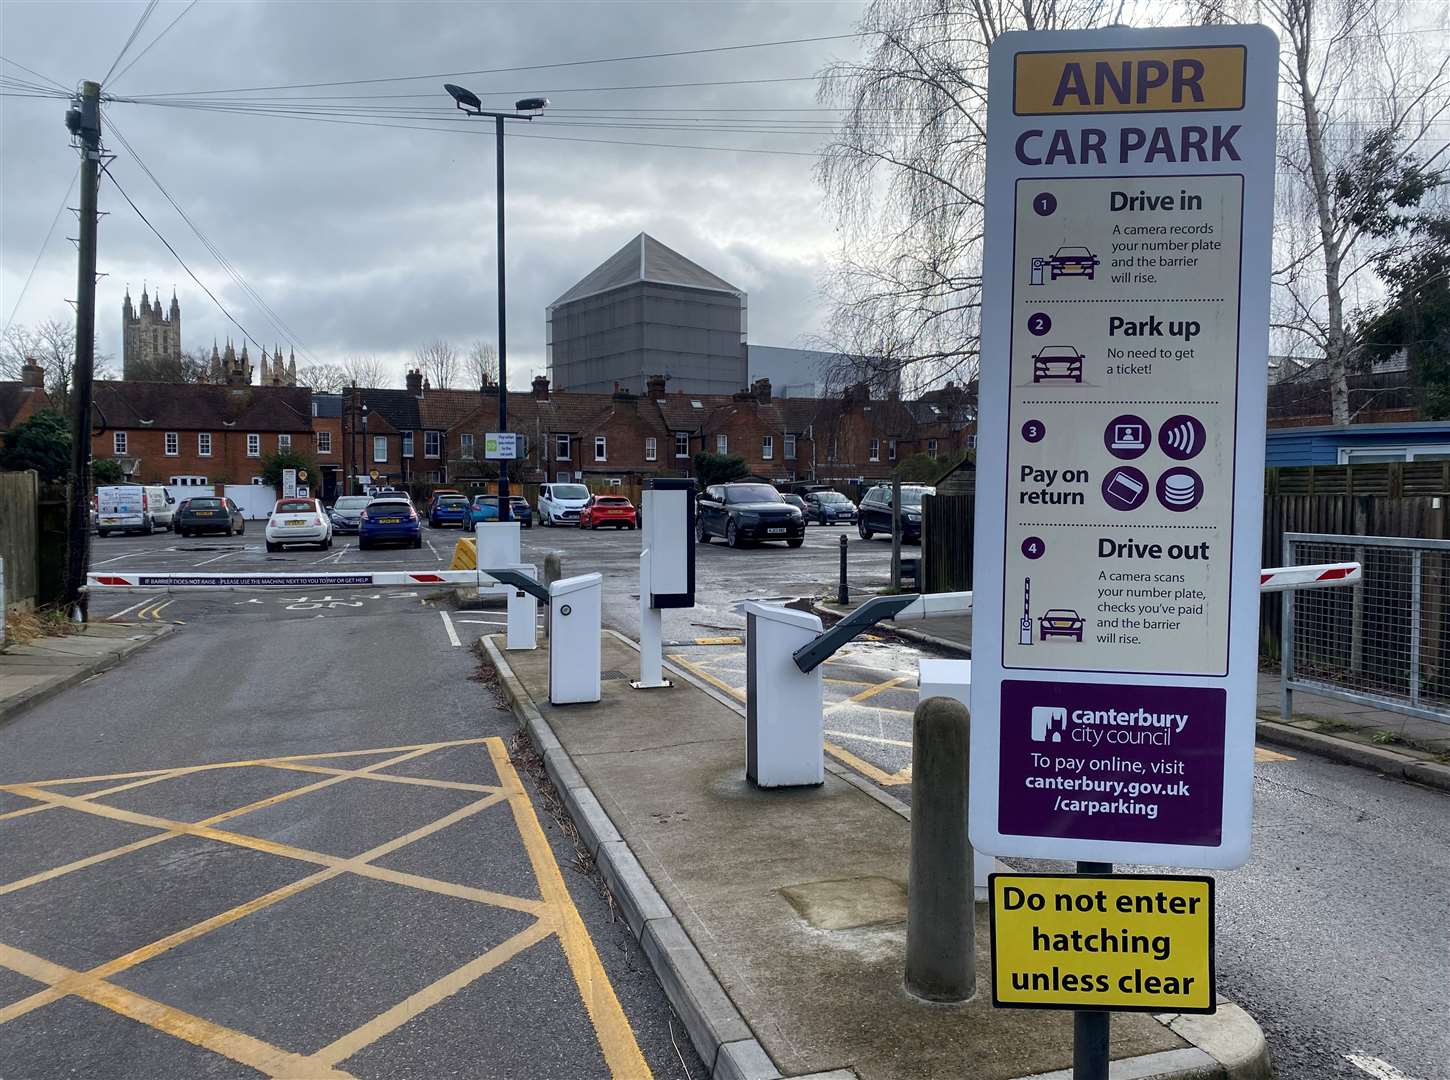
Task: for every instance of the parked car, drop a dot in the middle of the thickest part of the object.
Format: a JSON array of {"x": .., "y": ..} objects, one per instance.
[
  {"x": 133, "y": 508},
  {"x": 298, "y": 521},
  {"x": 448, "y": 510},
  {"x": 208, "y": 513},
  {"x": 829, "y": 507},
  {"x": 747, "y": 511},
  {"x": 559, "y": 504},
  {"x": 389, "y": 518},
  {"x": 1060, "y": 622},
  {"x": 1073, "y": 261},
  {"x": 874, "y": 514},
  {"x": 485, "y": 508},
  {"x": 346, "y": 512},
  {"x": 613, "y": 510}
]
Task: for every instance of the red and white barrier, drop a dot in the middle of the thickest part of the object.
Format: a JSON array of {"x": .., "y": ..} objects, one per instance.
[
  {"x": 1317, "y": 576},
  {"x": 147, "y": 582}
]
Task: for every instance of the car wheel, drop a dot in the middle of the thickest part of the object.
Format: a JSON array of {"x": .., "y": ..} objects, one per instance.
[
  {"x": 103, "y": 532},
  {"x": 273, "y": 548},
  {"x": 632, "y": 526},
  {"x": 732, "y": 534},
  {"x": 794, "y": 543},
  {"x": 866, "y": 533},
  {"x": 701, "y": 535},
  {"x": 417, "y": 541},
  {"x": 242, "y": 529},
  {"x": 231, "y": 531}
]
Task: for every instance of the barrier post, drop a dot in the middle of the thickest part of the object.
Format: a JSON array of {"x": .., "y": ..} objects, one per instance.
[
  {"x": 574, "y": 652},
  {"x": 941, "y": 928},
  {"x": 553, "y": 571},
  {"x": 785, "y": 741},
  {"x": 1090, "y": 1026},
  {"x": 522, "y": 616},
  {"x": 651, "y": 633},
  {"x": 4, "y": 608},
  {"x": 843, "y": 589}
]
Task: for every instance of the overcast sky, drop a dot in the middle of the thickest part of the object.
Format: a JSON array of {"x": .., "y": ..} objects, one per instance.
[{"x": 366, "y": 239}]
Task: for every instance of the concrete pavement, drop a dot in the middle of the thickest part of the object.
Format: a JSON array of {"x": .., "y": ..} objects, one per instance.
[
  {"x": 40, "y": 669},
  {"x": 794, "y": 899}
]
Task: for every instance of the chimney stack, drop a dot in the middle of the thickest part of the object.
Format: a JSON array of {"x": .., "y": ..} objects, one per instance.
[
  {"x": 655, "y": 386},
  {"x": 762, "y": 391},
  {"x": 541, "y": 387},
  {"x": 415, "y": 382},
  {"x": 32, "y": 375}
]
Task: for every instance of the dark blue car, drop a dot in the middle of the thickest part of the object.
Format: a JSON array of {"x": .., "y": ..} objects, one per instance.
[
  {"x": 449, "y": 510},
  {"x": 389, "y": 519}
]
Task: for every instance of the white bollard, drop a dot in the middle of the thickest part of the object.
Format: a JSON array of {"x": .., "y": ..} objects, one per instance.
[
  {"x": 785, "y": 719},
  {"x": 953, "y": 679},
  {"x": 575, "y": 611}
]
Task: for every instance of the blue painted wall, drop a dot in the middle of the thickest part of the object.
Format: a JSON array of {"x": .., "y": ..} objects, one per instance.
[{"x": 1320, "y": 446}]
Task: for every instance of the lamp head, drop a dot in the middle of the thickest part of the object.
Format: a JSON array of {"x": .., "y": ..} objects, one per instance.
[
  {"x": 531, "y": 104},
  {"x": 466, "y": 99}
]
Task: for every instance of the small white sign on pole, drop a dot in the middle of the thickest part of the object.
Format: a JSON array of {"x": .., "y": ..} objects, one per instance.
[
  {"x": 289, "y": 483},
  {"x": 500, "y": 446},
  {"x": 1130, "y": 185}
]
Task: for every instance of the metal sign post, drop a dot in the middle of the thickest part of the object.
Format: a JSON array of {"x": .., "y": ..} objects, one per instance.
[{"x": 1129, "y": 218}]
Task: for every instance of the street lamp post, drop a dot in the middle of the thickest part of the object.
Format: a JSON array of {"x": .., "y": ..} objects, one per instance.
[{"x": 525, "y": 109}]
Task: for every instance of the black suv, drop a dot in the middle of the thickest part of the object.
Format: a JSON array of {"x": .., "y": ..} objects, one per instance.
[
  {"x": 874, "y": 515},
  {"x": 747, "y": 511}
]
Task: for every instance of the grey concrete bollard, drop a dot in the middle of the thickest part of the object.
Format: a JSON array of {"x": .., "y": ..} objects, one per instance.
[
  {"x": 553, "y": 571},
  {"x": 941, "y": 930}
]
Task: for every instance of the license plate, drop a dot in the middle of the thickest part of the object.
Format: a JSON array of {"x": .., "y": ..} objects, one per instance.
[
  {"x": 773, "y": 531},
  {"x": 111, "y": 520},
  {"x": 295, "y": 524},
  {"x": 390, "y": 521},
  {"x": 203, "y": 513}
]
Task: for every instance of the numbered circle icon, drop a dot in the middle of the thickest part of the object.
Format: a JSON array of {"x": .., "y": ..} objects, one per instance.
[
  {"x": 1034, "y": 431},
  {"x": 1044, "y": 204},
  {"x": 1125, "y": 488},
  {"x": 1034, "y": 547},
  {"x": 1182, "y": 437},
  {"x": 1039, "y": 323},
  {"x": 1127, "y": 437},
  {"x": 1180, "y": 489}
]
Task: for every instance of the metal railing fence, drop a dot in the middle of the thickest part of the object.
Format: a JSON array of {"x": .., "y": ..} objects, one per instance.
[{"x": 1384, "y": 642}]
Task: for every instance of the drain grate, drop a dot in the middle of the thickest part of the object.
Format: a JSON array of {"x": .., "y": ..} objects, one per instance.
[{"x": 613, "y": 676}]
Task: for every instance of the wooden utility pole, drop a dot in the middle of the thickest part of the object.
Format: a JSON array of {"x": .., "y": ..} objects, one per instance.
[{"x": 84, "y": 121}]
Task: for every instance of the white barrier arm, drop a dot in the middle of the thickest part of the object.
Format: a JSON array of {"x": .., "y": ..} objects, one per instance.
[
  {"x": 148, "y": 582},
  {"x": 935, "y": 606},
  {"x": 1318, "y": 576}
]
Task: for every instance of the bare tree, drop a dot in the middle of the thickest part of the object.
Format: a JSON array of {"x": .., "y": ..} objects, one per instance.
[
  {"x": 905, "y": 175},
  {"x": 52, "y": 344},
  {"x": 364, "y": 369},
  {"x": 188, "y": 367},
  {"x": 438, "y": 361},
  {"x": 324, "y": 378},
  {"x": 1363, "y": 93},
  {"x": 481, "y": 363}
]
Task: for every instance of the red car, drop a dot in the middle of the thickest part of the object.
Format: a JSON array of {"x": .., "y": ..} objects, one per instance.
[{"x": 613, "y": 510}]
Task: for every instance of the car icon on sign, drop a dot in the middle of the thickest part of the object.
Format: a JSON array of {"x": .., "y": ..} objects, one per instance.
[
  {"x": 1060, "y": 622},
  {"x": 1073, "y": 261},
  {"x": 1057, "y": 362}
]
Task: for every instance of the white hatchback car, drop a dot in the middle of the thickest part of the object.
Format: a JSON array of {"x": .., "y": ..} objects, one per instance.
[{"x": 298, "y": 521}]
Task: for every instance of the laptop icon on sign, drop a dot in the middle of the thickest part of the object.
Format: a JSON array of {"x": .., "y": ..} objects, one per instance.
[{"x": 1128, "y": 437}]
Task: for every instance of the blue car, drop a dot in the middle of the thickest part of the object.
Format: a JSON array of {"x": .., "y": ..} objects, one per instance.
[
  {"x": 390, "y": 518},
  {"x": 449, "y": 510},
  {"x": 485, "y": 508}
]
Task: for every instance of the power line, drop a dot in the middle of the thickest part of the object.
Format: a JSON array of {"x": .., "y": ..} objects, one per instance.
[
  {"x": 40, "y": 254},
  {"x": 38, "y": 75},
  {"x": 122, "y": 73},
  {"x": 210, "y": 245},
  {"x": 220, "y": 306},
  {"x": 520, "y": 67},
  {"x": 141, "y": 22}
]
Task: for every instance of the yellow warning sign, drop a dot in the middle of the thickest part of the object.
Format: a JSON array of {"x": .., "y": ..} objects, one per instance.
[
  {"x": 1129, "y": 80},
  {"x": 1129, "y": 942}
]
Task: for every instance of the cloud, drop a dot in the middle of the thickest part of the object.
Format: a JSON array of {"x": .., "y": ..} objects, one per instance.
[{"x": 373, "y": 239}]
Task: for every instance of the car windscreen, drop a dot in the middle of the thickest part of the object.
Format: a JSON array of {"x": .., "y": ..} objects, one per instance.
[
  {"x": 295, "y": 506},
  {"x": 570, "y": 491},
  {"x": 351, "y": 502},
  {"x": 452, "y": 500},
  {"x": 831, "y": 497},
  {"x": 752, "y": 493},
  {"x": 389, "y": 506},
  {"x": 613, "y": 500},
  {"x": 912, "y": 496},
  {"x": 204, "y": 504}
]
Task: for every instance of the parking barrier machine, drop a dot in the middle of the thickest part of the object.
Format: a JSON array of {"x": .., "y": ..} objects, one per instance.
[
  {"x": 666, "y": 569},
  {"x": 496, "y": 543},
  {"x": 575, "y": 614},
  {"x": 784, "y": 718}
]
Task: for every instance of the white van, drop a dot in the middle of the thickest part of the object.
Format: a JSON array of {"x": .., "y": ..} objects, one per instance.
[
  {"x": 133, "y": 508},
  {"x": 559, "y": 504}
]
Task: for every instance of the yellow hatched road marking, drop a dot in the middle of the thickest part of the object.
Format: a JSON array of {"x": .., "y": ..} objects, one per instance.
[
  {"x": 616, "y": 1037},
  {"x": 881, "y": 776},
  {"x": 1260, "y": 754}
]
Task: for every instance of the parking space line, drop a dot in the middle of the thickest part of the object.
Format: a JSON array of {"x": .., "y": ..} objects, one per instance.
[
  {"x": 219, "y": 558},
  {"x": 870, "y": 738},
  {"x": 452, "y": 633},
  {"x": 133, "y": 607},
  {"x": 699, "y": 672},
  {"x": 616, "y": 1036}
]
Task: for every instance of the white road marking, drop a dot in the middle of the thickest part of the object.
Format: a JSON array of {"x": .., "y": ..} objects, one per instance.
[
  {"x": 118, "y": 558},
  {"x": 434, "y": 550},
  {"x": 452, "y": 633},
  {"x": 133, "y": 607},
  {"x": 484, "y": 622},
  {"x": 218, "y": 558},
  {"x": 1376, "y": 1067},
  {"x": 868, "y": 738}
]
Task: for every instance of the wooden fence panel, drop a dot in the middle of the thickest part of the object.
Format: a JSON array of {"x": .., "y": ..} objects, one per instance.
[
  {"x": 947, "y": 535},
  {"x": 19, "y": 543}
]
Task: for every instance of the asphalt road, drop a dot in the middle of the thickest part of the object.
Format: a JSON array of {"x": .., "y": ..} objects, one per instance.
[{"x": 1332, "y": 936}]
